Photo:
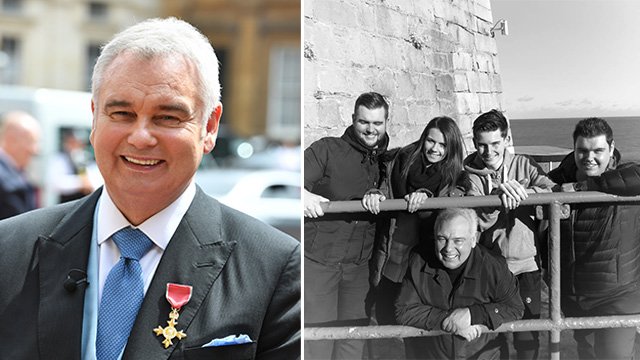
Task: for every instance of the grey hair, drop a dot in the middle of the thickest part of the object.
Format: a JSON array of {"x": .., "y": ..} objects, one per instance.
[
  {"x": 160, "y": 37},
  {"x": 451, "y": 213}
]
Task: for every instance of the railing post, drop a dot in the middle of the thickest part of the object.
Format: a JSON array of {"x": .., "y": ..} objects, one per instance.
[{"x": 555, "y": 213}]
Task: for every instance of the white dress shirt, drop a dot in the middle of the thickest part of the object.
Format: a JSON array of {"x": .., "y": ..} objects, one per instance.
[{"x": 159, "y": 228}]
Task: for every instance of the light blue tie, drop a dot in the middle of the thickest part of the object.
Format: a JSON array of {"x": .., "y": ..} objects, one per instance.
[{"x": 122, "y": 294}]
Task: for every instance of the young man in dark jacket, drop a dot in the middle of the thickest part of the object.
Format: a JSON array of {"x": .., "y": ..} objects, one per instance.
[
  {"x": 338, "y": 247},
  {"x": 600, "y": 244}
]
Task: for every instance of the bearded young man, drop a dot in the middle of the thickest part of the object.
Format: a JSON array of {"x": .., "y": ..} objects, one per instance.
[
  {"x": 600, "y": 246},
  {"x": 337, "y": 249}
]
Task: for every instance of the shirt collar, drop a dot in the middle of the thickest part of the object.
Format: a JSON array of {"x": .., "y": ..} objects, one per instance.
[{"x": 159, "y": 228}]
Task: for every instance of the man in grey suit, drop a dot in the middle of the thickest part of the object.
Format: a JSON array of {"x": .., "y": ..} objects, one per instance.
[{"x": 71, "y": 287}]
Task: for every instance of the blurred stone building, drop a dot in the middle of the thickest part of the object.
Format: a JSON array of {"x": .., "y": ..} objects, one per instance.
[{"x": 54, "y": 43}]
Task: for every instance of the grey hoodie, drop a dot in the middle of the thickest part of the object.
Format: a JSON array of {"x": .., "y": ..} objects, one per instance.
[{"x": 513, "y": 233}]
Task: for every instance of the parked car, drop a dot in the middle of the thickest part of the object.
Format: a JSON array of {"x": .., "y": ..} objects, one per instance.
[{"x": 272, "y": 196}]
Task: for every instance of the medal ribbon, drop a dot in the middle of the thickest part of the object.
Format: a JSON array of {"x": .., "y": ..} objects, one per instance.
[{"x": 178, "y": 295}]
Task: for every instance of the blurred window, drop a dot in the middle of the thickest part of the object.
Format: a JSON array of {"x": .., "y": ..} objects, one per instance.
[
  {"x": 283, "y": 113},
  {"x": 98, "y": 10},
  {"x": 11, "y": 5},
  {"x": 281, "y": 191},
  {"x": 10, "y": 60},
  {"x": 93, "y": 51}
]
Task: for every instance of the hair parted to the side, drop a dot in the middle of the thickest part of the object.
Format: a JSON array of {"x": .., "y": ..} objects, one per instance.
[
  {"x": 451, "y": 213},
  {"x": 160, "y": 37},
  {"x": 451, "y": 165},
  {"x": 372, "y": 100},
  {"x": 592, "y": 127},
  {"x": 491, "y": 121}
]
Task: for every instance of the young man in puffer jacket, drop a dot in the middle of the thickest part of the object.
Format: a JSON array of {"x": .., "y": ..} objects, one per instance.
[
  {"x": 512, "y": 230},
  {"x": 600, "y": 243}
]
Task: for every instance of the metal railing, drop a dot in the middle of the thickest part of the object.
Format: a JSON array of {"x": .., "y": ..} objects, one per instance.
[{"x": 554, "y": 207}]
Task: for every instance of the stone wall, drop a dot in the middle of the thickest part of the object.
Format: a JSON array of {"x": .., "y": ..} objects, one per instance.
[{"x": 428, "y": 57}]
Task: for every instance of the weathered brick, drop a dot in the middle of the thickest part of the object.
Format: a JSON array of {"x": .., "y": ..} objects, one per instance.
[
  {"x": 486, "y": 43},
  {"x": 444, "y": 82},
  {"x": 462, "y": 61},
  {"x": 496, "y": 83},
  {"x": 391, "y": 23},
  {"x": 467, "y": 103},
  {"x": 483, "y": 81},
  {"x": 442, "y": 61},
  {"x": 425, "y": 87},
  {"x": 485, "y": 62},
  {"x": 474, "y": 81},
  {"x": 330, "y": 113},
  {"x": 460, "y": 82},
  {"x": 335, "y": 12},
  {"x": 483, "y": 12}
]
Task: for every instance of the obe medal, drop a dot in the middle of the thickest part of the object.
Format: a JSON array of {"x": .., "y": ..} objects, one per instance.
[{"x": 177, "y": 295}]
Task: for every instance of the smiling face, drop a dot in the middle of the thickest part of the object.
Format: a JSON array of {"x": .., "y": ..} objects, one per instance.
[
  {"x": 148, "y": 132},
  {"x": 370, "y": 125},
  {"x": 592, "y": 155},
  {"x": 454, "y": 242},
  {"x": 491, "y": 146},
  {"x": 435, "y": 147}
]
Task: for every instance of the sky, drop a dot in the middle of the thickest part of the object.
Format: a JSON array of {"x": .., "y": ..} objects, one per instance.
[{"x": 569, "y": 58}]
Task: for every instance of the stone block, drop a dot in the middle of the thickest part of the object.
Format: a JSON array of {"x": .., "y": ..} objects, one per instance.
[
  {"x": 425, "y": 87},
  {"x": 335, "y": 12},
  {"x": 496, "y": 83},
  {"x": 460, "y": 82},
  {"x": 467, "y": 103},
  {"x": 366, "y": 17},
  {"x": 474, "y": 81},
  {"x": 486, "y": 43},
  {"x": 444, "y": 83},
  {"x": 484, "y": 82},
  {"x": 331, "y": 113},
  {"x": 483, "y": 12},
  {"x": 442, "y": 61},
  {"x": 446, "y": 104},
  {"x": 462, "y": 61},
  {"x": 390, "y": 22},
  {"x": 484, "y": 62}
]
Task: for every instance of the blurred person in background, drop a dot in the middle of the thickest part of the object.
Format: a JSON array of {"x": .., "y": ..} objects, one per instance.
[
  {"x": 68, "y": 173},
  {"x": 174, "y": 274},
  {"x": 19, "y": 139}
]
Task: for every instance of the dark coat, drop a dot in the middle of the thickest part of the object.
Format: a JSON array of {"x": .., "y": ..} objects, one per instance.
[
  {"x": 427, "y": 298},
  {"x": 400, "y": 232},
  {"x": 600, "y": 244},
  {"x": 17, "y": 195},
  {"x": 340, "y": 169},
  {"x": 245, "y": 277}
]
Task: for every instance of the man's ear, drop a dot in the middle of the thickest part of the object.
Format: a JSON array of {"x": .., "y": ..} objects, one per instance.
[
  {"x": 212, "y": 128},
  {"x": 353, "y": 118},
  {"x": 93, "y": 122},
  {"x": 613, "y": 146}
]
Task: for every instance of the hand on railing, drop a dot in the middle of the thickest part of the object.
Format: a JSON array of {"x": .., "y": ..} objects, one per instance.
[
  {"x": 372, "y": 199},
  {"x": 472, "y": 332},
  {"x": 415, "y": 199},
  {"x": 312, "y": 204},
  {"x": 511, "y": 194}
]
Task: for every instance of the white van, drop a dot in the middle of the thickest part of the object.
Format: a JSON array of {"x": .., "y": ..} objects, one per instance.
[{"x": 58, "y": 111}]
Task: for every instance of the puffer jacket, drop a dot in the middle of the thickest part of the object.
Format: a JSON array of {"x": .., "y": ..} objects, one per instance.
[
  {"x": 600, "y": 244},
  {"x": 514, "y": 233},
  {"x": 341, "y": 169}
]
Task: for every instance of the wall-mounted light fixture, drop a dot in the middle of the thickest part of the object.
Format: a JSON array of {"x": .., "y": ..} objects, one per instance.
[{"x": 500, "y": 25}]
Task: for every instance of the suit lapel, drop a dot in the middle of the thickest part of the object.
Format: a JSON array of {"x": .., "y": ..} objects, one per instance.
[
  {"x": 195, "y": 256},
  {"x": 61, "y": 311}
]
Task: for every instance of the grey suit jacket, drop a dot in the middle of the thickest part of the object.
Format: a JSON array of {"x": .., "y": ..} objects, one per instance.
[{"x": 245, "y": 277}]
